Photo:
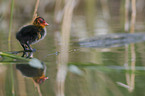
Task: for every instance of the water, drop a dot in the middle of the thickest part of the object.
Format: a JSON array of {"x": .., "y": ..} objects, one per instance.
[{"x": 92, "y": 71}]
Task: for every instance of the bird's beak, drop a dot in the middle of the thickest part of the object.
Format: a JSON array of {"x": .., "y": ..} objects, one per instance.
[{"x": 46, "y": 24}]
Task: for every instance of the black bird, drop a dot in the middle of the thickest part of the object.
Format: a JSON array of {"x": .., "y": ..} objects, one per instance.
[{"x": 31, "y": 34}]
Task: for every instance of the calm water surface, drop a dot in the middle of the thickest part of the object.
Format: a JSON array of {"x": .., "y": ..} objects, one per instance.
[{"x": 117, "y": 71}]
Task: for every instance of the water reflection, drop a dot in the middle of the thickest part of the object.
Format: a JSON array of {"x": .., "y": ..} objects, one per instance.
[
  {"x": 29, "y": 66},
  {"x": 34, "y": 69}
]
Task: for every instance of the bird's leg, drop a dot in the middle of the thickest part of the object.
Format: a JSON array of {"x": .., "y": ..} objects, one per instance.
[
  {"x": 30, "y": 48},
  {"x": 30, "y": 55},
  {"x": 24, "y": 53},
  {"x": 25, "y": 49}
]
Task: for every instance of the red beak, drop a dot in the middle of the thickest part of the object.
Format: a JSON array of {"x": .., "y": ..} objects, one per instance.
[{"x": 46, "y": 24}]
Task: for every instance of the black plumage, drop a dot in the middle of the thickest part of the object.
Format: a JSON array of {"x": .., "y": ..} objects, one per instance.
[
  {"x": 30, "y": 71},
  {"x": 31, "y": 34}
]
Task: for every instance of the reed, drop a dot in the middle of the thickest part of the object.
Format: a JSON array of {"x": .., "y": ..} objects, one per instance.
[
  {"x": 130, "y": 51},
  {"x": 34, "y": 17},
  {"x": 132, "y": 47},
  {"x": 9, "y": 45},
  {"x": 133, "y": 16},
  {"x": 58, "y": 12},
  {"x": 126, "y": 29},
  {"x": 105, "y": 9},
  {"x": 126, "y": 25},
  {"x": 10, "y": 25},
  {"x": 12, "y": 56},
  {"x": 90, "y": 13},
  {"x": 35, "y": 11},
  {"x": 64, "y": 48}
]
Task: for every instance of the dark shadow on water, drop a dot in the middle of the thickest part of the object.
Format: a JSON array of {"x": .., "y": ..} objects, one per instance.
[{"x": 112, "y": 40}]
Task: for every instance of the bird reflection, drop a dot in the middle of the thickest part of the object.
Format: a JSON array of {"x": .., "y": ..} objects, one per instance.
[
  {"x": 38, "y": 74},
  {"x": 34, "y": 69}
]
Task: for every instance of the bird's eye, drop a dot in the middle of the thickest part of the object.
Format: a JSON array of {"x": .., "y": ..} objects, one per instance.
[{"x": 40, "y": 21}]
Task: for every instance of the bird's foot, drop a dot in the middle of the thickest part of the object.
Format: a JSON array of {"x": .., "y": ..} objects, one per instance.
[
  {"x": 34, "y": 50},
  {"x": 30, "y": 50}
]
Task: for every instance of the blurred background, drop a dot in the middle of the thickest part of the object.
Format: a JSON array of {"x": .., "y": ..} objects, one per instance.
[{"x": 77, "y": 71}]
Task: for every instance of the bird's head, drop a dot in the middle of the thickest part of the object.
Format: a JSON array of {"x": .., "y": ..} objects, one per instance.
[
  {"x": 39, "y": 21},
  {"x": 40, "y": 80}
]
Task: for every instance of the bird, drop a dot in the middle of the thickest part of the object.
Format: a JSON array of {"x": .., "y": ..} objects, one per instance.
[
  {"x": 31, "y": 34},
  {"x": 37, "y": 74}
]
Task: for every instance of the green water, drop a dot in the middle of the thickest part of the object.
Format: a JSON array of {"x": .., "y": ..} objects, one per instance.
[{"x": 118, "y": 71}]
